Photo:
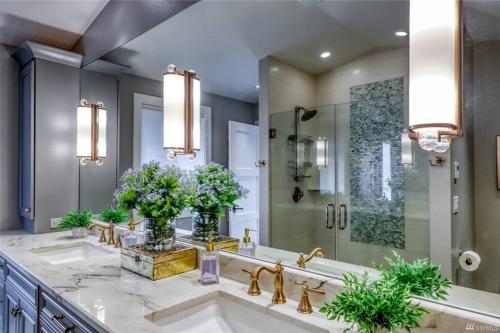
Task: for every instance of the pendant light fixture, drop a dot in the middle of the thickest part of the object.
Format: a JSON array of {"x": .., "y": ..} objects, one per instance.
[
  {"x": 91, "y": 132},
  {"x": 435, "y": 73},
  {"x": 181, "y": 113}
]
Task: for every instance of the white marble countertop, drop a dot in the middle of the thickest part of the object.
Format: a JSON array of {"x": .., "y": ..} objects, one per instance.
[{"x": 117, "y": 300}]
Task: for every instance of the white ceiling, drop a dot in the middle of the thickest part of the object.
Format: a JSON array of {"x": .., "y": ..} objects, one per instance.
[
  {"x": 55, "y": 23},
  {"x": 224, "y": 40}
]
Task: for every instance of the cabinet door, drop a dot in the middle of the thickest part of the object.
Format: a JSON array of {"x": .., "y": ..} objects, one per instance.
[
  {"x": 27, "y": 322},
  {"x": 12, "y": 309},
  {"x": 26, "y": 174}
]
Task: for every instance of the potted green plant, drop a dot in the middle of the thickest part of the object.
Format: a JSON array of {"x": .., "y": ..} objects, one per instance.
[
  {"x": 374, "y": 306},
  {"x": 158, "y": 194},
  {"x": 212, "y": 189},
  {"x": 421, "y": 276},
  {"x": 113, "y": 215},
  {"x": 78, "y": 221}
]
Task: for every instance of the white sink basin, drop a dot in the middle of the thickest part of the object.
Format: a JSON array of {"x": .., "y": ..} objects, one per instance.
[
  {"x": 67, "y": 253},
  {"x": 220, "y": 312}
]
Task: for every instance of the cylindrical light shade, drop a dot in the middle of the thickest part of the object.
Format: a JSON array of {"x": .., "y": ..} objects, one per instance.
[
  {"x": 91, "y": 132},
  {"x": 196, "y": 115},
  {"x": 101, "y": 133},
  {"x": 181, "y": 112},
  {"x": 322, "y": 152},
  {"x": 84, "y": 131},
  {"x": 173, "y": 111},
  {"x": 435, "y": 38}
]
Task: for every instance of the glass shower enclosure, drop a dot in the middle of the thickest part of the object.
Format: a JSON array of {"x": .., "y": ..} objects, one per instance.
[{"x": 345, "y": 178}]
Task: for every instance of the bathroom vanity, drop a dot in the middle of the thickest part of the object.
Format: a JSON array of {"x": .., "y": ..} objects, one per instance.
[{"x": 52, "y": 283}]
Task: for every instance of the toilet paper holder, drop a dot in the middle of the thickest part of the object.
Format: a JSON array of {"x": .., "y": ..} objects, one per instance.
[{"x": 468, "y": 262}]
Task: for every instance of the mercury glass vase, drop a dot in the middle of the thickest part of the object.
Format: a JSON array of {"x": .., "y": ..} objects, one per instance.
[
  {"x": 79, "y": 232},
  {"x": 159, "y": 234},
  {"x": 204, "y": 224}
]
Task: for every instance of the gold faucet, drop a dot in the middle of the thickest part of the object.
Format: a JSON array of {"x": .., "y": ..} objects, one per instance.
[
  {"x": 304, "y": 304},
  {"x": 318, "y": 252},
  {"x": 254, "y": 289},
  {"x": 111, "y": 233}
]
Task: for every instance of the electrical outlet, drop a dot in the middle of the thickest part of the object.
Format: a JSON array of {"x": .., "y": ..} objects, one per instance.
[{"x": 54, "y": 222}]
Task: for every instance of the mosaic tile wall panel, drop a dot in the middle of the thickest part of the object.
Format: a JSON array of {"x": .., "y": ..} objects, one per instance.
[{"x": 377, "y": 174}]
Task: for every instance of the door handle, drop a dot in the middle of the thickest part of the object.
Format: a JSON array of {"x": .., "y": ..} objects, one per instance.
[
  {"x": 260, "y": 163},
  {"x": 342, "y": 217},
  {"x": 235, "y": 208},
  {"x": 15, "y": 311},
  {"x": 327, "y": 216},
  {"x": 59, "y": 319}
]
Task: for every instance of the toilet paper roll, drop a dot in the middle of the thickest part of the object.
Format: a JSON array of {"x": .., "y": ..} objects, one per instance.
[{"x": 469, "y": 261}]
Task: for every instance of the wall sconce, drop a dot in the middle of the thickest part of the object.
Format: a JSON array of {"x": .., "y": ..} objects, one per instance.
[
  {"x": 435, "y": 73},
  {"x": 321, "y": 152},
  {"x": 181, "y": 113},
  {"x": 91, "y": 132},
  {"x": 407, "y": 154}
]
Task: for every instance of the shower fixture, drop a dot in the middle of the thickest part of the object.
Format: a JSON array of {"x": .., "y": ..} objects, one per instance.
[{"x": 307, "y": 115}]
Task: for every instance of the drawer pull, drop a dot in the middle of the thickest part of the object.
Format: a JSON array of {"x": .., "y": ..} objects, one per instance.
[
  {"x": 15, "y": 311},
  {"x": 59, "y": 319}
]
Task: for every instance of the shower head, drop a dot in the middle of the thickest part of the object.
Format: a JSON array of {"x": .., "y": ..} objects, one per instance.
[{"x": 308, "y": 114}]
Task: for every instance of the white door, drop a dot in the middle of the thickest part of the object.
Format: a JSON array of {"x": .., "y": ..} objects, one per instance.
[{"x": 243, "y": 158}]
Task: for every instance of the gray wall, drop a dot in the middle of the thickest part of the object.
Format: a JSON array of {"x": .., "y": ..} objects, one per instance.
[
  {"x": 9, "y": 139},
  {"x": 127, "y": 86},
  {"x": 98, "y": 182},
  {"x": 56, "y": 166},
  {"x": 486, "y": 88},
  {"x": 223, "y": 110}
]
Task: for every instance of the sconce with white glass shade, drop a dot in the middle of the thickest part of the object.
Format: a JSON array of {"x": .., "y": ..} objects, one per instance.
[
  {"x": 181, "y": 113},
  {"x": 435, "y": 73},
  {"x": 91, "y": 132},
  {"x": 321, "y": 152}
]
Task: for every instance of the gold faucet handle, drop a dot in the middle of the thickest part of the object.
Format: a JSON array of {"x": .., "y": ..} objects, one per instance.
[
  {"x": 253, "y": 289},
  {"x": 304, "y": 304}
]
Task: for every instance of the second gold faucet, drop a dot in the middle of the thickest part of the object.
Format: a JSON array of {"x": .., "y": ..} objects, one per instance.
[
  {"x": 318, "y": 252},
  {"x": 254, "y": 289}
]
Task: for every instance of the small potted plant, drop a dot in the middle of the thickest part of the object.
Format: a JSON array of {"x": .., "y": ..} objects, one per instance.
[
  {"x": 113, "y": 215},
  {"x": 374, "y": 306},
  {"x": 78, "y": 221},
  {"x": 421, "y": 276},
  {"x": 158, "y": 194},
  {"x": 212, "y": 189}
]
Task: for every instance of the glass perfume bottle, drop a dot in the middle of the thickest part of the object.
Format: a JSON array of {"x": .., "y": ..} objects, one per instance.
[
  {"x": 247, "y": 247},
  {"x": 209, "y": 264}
]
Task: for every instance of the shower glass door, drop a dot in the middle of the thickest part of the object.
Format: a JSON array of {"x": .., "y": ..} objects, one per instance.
[
  {"x": 348, "y": 180},
  {"x": 302, "y": 180}
]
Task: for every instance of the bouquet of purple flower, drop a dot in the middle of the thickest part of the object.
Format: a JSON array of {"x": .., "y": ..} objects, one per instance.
[
  {"x": 211, "y": 190},
  {"x": 158, "y": 193}
]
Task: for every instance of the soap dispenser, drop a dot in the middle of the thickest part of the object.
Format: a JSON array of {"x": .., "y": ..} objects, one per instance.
[
  {"x": 247, "y": 247},
  {"x": 209, "y": 264}
]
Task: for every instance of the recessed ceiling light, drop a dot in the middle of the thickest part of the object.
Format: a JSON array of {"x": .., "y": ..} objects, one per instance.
[
  {"x": 401, "y": 33},
  {"x": 325, "y": 54},
  {"x": 274, "y": 69},
  {"x": 257, "y": 86}
]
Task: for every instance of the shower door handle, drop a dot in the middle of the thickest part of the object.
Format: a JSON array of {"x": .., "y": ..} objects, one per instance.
[
  {"x": 342, "y": 214},
  {"x": 327, "y": 216}
]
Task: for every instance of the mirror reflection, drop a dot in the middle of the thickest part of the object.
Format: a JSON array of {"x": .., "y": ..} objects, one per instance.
[{"x": 307, "y": 104}]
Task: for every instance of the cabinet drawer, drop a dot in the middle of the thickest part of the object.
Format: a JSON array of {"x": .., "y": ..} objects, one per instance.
[
  {"x": 59, "y": 318},
  {"x": 25, "y": 286}
]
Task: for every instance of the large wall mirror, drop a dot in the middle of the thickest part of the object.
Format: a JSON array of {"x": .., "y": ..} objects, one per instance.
[{"x": 323, "y": 86}]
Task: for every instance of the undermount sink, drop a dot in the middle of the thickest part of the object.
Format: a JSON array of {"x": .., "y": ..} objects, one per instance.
[
  {"x": 220, "y": 312},
  {"x": 67, "y": 253}
]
